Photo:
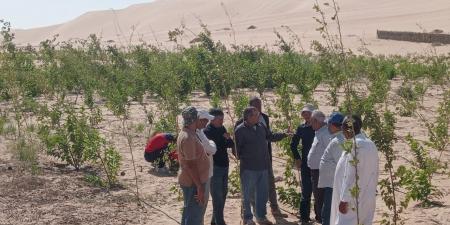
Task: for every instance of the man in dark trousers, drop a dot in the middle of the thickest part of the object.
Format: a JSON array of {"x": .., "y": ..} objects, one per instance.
[
  {"x": 306, "y": 134},
  {"x": 216, "y": 132},
  {"x": 264, "y": 120}
]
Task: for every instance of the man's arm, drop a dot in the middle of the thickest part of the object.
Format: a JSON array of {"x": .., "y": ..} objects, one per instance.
[
  {"x": 229, "y": 143},
  {"x": 210, "y": 146},
  {"x": 240, "y": 143},
  {"x": 273, "y": 137},
  {"x": 294, "y": 144},
  {"x": 191, "y": 167},
  {"x": 348, "y": 183}
]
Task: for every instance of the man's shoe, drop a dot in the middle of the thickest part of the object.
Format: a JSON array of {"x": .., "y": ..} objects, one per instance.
[
  {"x": 163, "y": 170},
  {"x": 305, "y": 221},
  {"x": 263, "y": 221},
  {"x": 249, "y": 222},
  {"x": 278, "y": 214},
  {"x": 318, "y": 220}
]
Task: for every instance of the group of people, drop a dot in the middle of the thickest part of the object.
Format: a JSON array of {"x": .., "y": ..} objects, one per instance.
[
  {"x": 343, "y": 186},
  {"x": 327, "y": 171}
]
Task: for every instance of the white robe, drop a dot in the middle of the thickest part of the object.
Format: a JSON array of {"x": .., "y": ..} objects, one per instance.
[
  {"x": 210, "y": 149},
  {"x": 344, "y": 181}
]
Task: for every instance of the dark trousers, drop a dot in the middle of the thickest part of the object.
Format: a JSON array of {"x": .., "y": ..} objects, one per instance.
[
  {"x": 326, "y": 209},
  {"x": 306, "y": 188},
  {"x": 318, "y": 195},
  {"x": 272, "y": 189},
  {"x": 219, "y": 190},
  {"x": 155, "y": 156}
]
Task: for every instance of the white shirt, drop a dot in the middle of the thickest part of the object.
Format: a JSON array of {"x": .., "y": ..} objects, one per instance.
[
  {"x": 329, "y": 161},
  {"x": 210, "y": 148},
  {"x": 344, "y": 181},
  {"x": 320, "y": 142}
]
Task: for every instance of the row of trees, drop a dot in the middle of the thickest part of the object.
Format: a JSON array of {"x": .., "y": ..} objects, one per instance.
[{"x": 52, "y": 98}]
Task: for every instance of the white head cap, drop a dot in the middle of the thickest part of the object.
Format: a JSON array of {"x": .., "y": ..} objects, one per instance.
[
  {"x": 203, "y": 114},
  {"x": 308, "y": 108}
]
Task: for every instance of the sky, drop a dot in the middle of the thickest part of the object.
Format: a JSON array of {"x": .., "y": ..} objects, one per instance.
[{"x": 24, "y": 14}]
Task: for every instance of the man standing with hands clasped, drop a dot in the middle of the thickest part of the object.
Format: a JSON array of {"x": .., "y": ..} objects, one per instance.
[
  {"x": 194, "y": 165},
  {"x": 321, "y": 140},
  {"x": 328, "y": 163}
]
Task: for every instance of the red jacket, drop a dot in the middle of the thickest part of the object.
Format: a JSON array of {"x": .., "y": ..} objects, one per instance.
[{"x": 161, "y": 141}]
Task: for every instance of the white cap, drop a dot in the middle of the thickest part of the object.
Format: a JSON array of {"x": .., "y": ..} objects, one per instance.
[
  {"x": 308, "y": 108},
  {"x": 203, "y": 114}
]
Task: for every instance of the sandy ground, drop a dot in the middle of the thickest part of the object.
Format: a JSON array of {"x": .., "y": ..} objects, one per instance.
[
  {"x": 360, "y": 19},
  {"x": 59, "y": 195}
]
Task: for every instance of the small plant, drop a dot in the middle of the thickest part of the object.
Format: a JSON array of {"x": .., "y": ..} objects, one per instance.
[
  {"x": 417, "y": 178},
  {"x": 234, "y": 181}
]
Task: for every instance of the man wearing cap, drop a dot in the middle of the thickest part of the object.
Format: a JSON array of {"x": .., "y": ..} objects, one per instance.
[
  {"x": 321, "y": 140},
  {"x": 194, "y": 164},
  {"x": 208, "y": 145},
  {"x": 343, "y": 206},
  {"x": 264, "y": 120},
  {"x": 305, "y": 133},
  {"x": 328, "y": 163}
]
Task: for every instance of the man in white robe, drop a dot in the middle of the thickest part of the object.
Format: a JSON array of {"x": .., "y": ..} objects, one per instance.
[{"x": 343, "y": 208}]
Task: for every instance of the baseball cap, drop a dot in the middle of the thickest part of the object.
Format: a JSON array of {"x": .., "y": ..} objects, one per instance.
[
  {"x": 203, "y": 114},
  {"x": 336, "y": 118},
  {"x": 189, "y": 115},
  {"x": 308, "y": 108}
]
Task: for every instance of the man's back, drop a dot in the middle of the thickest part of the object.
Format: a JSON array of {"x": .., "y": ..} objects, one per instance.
[{"x": 190, "y": 148}]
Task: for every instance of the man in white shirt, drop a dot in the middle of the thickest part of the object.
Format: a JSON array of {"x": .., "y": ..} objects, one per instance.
[
  {"x": 320, "y": 142},
  {"x": 328, "y": 163},
  {"x": 343, "y": 206},
  {"x": 208, "y": 145}
]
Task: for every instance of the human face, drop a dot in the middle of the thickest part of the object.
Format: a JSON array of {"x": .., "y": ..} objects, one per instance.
[
  {"x": 314, "y": 124},
  {"x": 257, "y": 105},
  {"x": 254, "y": 118},
  {"x": 333, "y": 129},
  {"x": 217, "y": 121},
  {"x": 202, "y": 123},
  {"x": 306, "y": 116},
  {"x": 347, "y": 131}
]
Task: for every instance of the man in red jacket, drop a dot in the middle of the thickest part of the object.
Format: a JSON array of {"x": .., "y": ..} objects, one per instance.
[{"x": 157, "y": 147}]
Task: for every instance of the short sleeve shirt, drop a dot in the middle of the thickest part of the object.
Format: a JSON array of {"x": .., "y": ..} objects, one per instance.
[{"x": 190, "y": 148}]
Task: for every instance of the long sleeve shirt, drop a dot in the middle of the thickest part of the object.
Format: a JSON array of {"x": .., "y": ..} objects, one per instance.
[
  {"x": 265, "y": 121},
  {"x": 329, "y": 161},
  {"x": 252, "y": 147},
  {"x": 216, "y": 134},
  {"x": 321, "y": 141},
  {"x": 345, "y": 180},
  {"x": 306, "y": 134},
  {"x": 209, "y": 147}
]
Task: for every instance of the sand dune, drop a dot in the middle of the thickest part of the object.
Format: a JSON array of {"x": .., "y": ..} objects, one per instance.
[{"x": 152, "y": 21}]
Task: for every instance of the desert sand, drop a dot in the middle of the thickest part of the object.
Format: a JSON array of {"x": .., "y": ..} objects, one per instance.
[
  {"x": 151, "y": 22},
  {"x": 59, "y": 195}
]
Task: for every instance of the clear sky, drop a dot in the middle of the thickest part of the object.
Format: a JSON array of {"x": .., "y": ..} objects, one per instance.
[{"x": 37, "y": 13}]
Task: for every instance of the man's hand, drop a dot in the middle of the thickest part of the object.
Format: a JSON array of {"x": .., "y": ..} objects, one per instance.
[
  {"x": 298, "y": 163},
  {"x": 227, "y": 136},
  {"x": 343, "y": 207},
  {"x": 200, "y": 197}
]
